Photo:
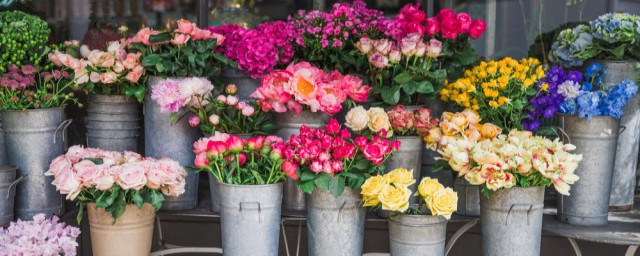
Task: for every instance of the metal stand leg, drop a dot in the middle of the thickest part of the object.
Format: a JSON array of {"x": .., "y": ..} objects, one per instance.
[
  {"x": 631, "y": 250},
  {"x": 458, "y": 234},
  {"x": 575, "y": 246},
  {"x": 284, "y": 235}
]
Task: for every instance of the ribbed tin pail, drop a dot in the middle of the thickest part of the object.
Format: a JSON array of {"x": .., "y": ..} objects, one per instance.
[
  {"x": 417, "y": 235},
  {"x": 113, "y": 123}
]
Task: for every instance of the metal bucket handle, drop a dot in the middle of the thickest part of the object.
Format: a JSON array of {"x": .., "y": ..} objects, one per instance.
[
  {"x": 358, "y": 203},
  {"x": 13, "y": 185},
  {"x": 259, "y": 209},
  {"x": 527, "y": 207},
  {"x": 562, "y": 133},
  {"x": 622, "y": 129},
  {"x": 62, "y": 128}
]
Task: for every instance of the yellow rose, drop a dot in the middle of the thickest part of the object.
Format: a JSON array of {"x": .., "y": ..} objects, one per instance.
[
  {"x": 395, "y": 198},
  {"x": 490, "y": 131},
  {"x": 472, "y": 116},
  {"x": 357, "y": 119},
  {"x": 446, "y": 116},
  {"x": 448, "y": 128},
  {"x": 401, "y": 177},
  {"x": 428, "y": 187},
  {"x": 375, "y": 111},
  {"x": 444, "y": 202},
  {"x": 380, "y": 122},
  {"x": 433, "y": 138},
  {"x": 460, "y": 121},
  {"x": 370, "y": 200},
  {"x": 372, "y": 186},
  {"x": 472, "y": 134}
]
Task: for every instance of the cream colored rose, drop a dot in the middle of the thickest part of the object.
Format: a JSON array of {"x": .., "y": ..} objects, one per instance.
[
  {"x": 490, "y": 131},
  {"x": 380, "y": 122},
  {"x": 472, "y": 116},
  {"x": 375, "y": 111},
  {"x": 472, "y": 134},
  {"x": 401, "y": 177},
  {"x": 395, "y": 198},
  {"x": 446, "y": 116},
  {"x": 444, "y": 202},
  {"x": 460, "y": 121},
  {"x": 357, "y": 119},
  {"x": 449, "y": 128},
  {"x": 433, "y": 138},
  {"x": 428, "y": 187}
]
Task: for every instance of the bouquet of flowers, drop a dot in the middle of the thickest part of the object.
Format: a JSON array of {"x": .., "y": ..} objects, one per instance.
[
  {"x": 591, "y": 98},
  {"x": 331, "y": 159},
  {"x": 403, "y": 71},
  {"x": 258, "y": 51},
  {"x": 23, "y": 40},
  {"x": 232, "y": 160},
  {"x": 172, "y": 95},
  {"x": 227, "y": 114},
  {"x": 398, "y": 121},
  {"x": 391, "y": 192},
  {"x": 460, "y": 125},
  {"x": 186, "y": 52},
  {"x": 93, "y": 175},
  {"x": 29, "y": 88},
  {"x": 498, "y": 90},
  {"x": 518, "y": 159},
  {"x": 303, "y": 84},
  {"x": 455, "y": 31},
  {"x": 111, "y": 72},
  {"x": 611, "y": 36},
  {"x": 39, "y": 236},
  {"x": 327, "y": 39}
]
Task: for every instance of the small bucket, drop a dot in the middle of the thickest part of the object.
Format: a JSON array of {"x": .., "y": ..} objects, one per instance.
[
  {"x": 8, "y": 184},
  {"x": 250, "y": 219},
  {"x": 417, "y": 235},
  {"x": 130, "y": 235},
  {"x": 113, "y": 123}
]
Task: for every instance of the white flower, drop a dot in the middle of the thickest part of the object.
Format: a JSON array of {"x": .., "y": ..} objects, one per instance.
[{"x": 357, "y": 119}]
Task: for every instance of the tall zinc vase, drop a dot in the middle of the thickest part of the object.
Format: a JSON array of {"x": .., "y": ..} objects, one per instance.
[
  {"x": 246, "y": 85},
  {"x": 596, "y": 140},
  {"x": 250, "y": 219},
  {"x": 214, "y": 187},
  {"x": 624, "y": 172},
  {"x": 113, "y": 123},
  {"x": 3, "y": 151},
  {"x": 417, "y": 235},
  {"x": 8, "y": 184},
  {"x": 290, "y": 123},
  {"x": 335, "y": 226},
  {"x": 408, "y": 156},
  {"x": 33, "y": 139},
  {"x": 511, "y": 222},
  {"x": 163, "y": 139},
  {"x": 131, "y": 234}
]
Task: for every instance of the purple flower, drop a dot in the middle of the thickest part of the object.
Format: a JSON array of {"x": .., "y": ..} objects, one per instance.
[{"x": 39, "y": 237}]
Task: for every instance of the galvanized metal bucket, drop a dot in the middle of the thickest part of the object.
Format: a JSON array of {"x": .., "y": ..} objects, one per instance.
[
  {"x": 468, "y": 197},
  {"x": 335, "y": 226},
  {"x": 113, "y": 123},
  {"x": 290, "y": 123},
  {"x": 131, "y": 234},
  {"x": 408, "y": 156},
  {"x": 175, "y": 141},
  {"x": 596, "y": 140},
  {"x": 250, "y": 219},
  {"x": 417, "y": 235},
  {"x": 8, "y": 184},
  {"x": 246, "y": 85},
  {"x": 512, "y": 222},
  {"x": 3, "y": 152},
  {"x": 213, "y": 183},
  {"x": 624, "y": 172},
  {"x": 33, "y": 139}
]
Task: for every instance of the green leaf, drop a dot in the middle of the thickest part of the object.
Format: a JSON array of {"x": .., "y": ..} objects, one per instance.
[
  {"x": 151, "y": 60},
  {"x": 336, "y": 186},
  {"x": 307, "y": 186},
  {"x": 403, "y": 78},
  {"x": 162, "y": 37},
  {"x": 96, "y": 161},
  {"x": 322, "y": 180},
  {"x": 362, "y": 164},
  {"x": 156, "y": 199},
  {"x": 307, "y": 176},
  {"x": 137, "y": 199},
  {"x": 409, "y": 88},
  {"x": 424, "y": 87},
  {"x": 390, "y": 94}
]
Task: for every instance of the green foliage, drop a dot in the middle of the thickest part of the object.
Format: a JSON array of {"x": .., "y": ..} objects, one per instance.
[{"x": 23, "y": 40}]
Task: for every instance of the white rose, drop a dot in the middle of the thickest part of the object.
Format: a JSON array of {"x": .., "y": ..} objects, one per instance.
[{"x": 357, "y": 119}]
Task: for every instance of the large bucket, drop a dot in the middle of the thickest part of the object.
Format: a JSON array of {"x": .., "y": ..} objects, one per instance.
[
  {"x": 130, "y": 235},
  {"x": 512, "y": 222},
  {"x": 624, "y": 172},
  {"x": 162, "y": 139},
  {"x": 214, "y": 184},
  {"x": 290, "y": 123},
  {"x": 596, "y": 140},
  {"x": 3, "y": 152},
  {"x": 8, "y": 184},
  {"x": 417, "y": 235},
  {"x": 335, "y": 226},
  {"x": 408, "y": 156},
  {"x": 33, "y": 139},
  {"x": 468, "y": 197},
  {"x": 250, "y": 219},
  {"x": 113, "y": 123},
  {"x": 246, "y": 85}
]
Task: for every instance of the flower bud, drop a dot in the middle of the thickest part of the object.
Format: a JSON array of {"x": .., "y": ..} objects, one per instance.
[
  {"x": 231, "y": 89},
  {"x": 214, "y": 119}
]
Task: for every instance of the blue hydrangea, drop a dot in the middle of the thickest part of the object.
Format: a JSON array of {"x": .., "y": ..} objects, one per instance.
[
  {"x": 569, "y": 89},
  {"x": 568, "y": 107}
]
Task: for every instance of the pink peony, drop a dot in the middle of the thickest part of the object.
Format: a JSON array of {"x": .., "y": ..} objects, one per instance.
[
  {"x": 201, "y": 160},
  {"x": 167, "y": 94},
  {"x": 248, "y": 111},
  {"x": 271, "y": 93},
  {"x": 291, "y": 169},
  {"x": 194, "y": 120},
  {"x": 464, "y": 21}
]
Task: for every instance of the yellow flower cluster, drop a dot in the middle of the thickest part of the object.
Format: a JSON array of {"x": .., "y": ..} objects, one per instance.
[
  {"x": 391, "y": 192},
  {"x": 491, "y": 84},
  {"x": 465, "y": 124},
  {"x": 496, "y": 162}
]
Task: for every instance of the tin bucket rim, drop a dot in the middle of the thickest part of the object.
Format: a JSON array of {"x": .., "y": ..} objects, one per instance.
[
  {"x": 31, "y": 110},
  {"x": 248, "y": 186}
]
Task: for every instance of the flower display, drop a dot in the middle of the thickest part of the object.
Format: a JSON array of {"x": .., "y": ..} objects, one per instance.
[
  {"x": 25, "y": 37},
  {"x": 327, "y": 39},
  {"x": 453, "y": 126},
  {"x": 95, "y": 175},
  {"x": 30, "y": 88},
  {"x": 40, "y": 236},
  {"x": 499, "y": 90},
  {"x": 232, "y": 160},
  {"x": 258, "y": 51},
  {"x": 393, "y": 194},
  {"x": 590, "y": 98},
  {"x": 111, "y": 72},
  {"x": 302, "y": 84},
  {"x": 331, "y": 159},
  {"x": 173, "y": 94},
  {"x": 610, "y": 36},
  {"x": 517, "y": 159},
  {"x": 188, "y": 51}
]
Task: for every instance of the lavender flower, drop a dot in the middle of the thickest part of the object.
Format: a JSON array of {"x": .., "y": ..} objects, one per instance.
[{"x": 39, "y": 237}]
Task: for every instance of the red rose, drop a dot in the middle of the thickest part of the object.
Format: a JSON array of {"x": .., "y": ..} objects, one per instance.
[
  {"x": 374, "y": 152},
  {"x": 464, "y": 22},
  {"x": 290, "y": 169},
  {"x": 445, "y": 14},
  {"x": 361, "y": 142},
  {"x": 477, "y": 28},
  {"x": 395, "y": 145},
  {"x": 432, "y": 27},
  {"x": 333, "y": 126},
  {"x": 449, "y": 28},
  {"x": 413, "y": 27}
]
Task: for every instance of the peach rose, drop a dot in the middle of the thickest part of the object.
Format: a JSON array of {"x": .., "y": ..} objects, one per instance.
[
  {"x": 490, "y": 131},
  {"x": 108, "y": 78}
]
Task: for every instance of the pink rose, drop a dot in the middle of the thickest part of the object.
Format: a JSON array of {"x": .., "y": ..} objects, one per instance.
[
  {"x": 58, "y": 165},
  {"x": 383, "y": 46},
  {"x": 449, "y": 28},
  {"x": 445, "y": 14},
  {"x": 421, "y": 49},
  {"x": 118, "y": 67},
  {"x": 395, "y": 56},
  {"x": 185, "y": 26},
  {"x": 374, "y": 152},
  {"x": 106, "y": 60},
  {"x": 378, "y": 60},
  {"x": 423, "y": 122},
  {"x": 434, "y": 48},
  {"x": 133, "y": 77},
  {"x": 364, "y": 45},
  {"x": 180, "y": 39},
  {"x": 477, "y": 28},
  {"x": 401, "y": 120},
  {"x": 409, "y": 43},
  {"x": 464, "y": 21},
  {"x": 131, "y": 61},
  {"x": 133, "y": 175},
  {"x": 174, "y": 188},
  {"x": 75, "y": 153},
  {"x": 68, "y": 184},
  {"x": 130, "y": 157},
  {"x": 104, "y": 180},
  {"x": 108, "y": 78},
  {"x": 85, "y": 170},
  {"x": 94, "y": 77},
  {"x": 291, "y": 169}
]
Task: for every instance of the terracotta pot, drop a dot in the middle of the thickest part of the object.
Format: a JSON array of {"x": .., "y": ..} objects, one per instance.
[{"x": 130, "y": 235}]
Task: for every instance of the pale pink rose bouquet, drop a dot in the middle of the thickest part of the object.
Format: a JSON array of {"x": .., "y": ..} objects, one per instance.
[
  {"x": 302, "y": 85},
  {"x": 40, "y": 236},
  {"x": 111, "y": 72},
  {"x": 89, "y": 175}
]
